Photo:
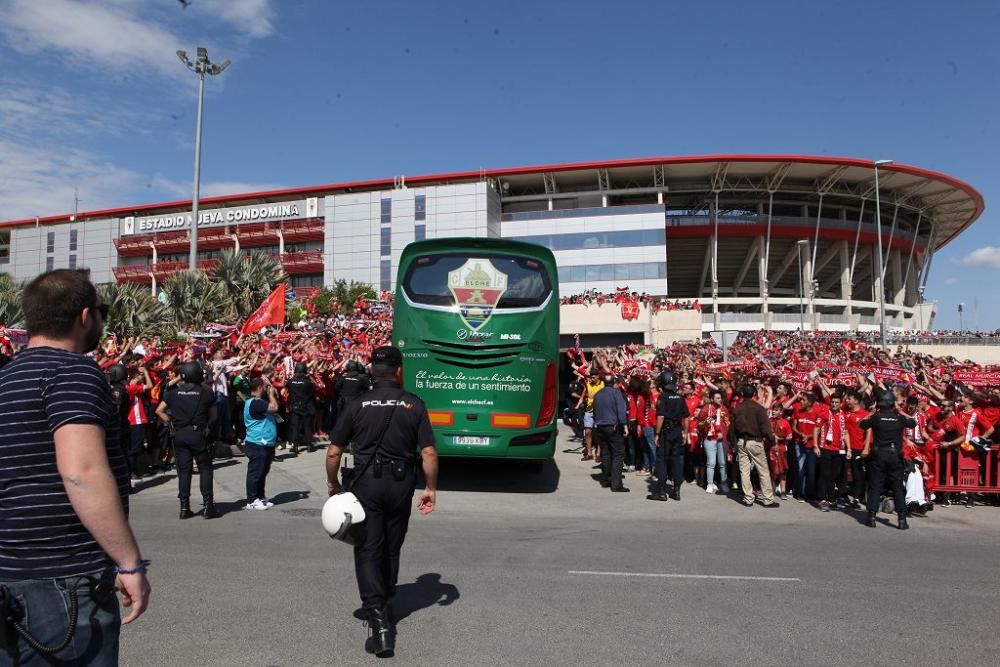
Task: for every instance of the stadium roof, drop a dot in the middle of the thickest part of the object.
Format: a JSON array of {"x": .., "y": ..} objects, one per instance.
[{"x": 952, "y": 204}]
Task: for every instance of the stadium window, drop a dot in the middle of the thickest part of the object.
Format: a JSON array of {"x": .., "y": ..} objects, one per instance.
[
  {"x": 386, "y": 210},
  {"x": 386, "y": 245},
  {"x": 419, "y": 232},
  {"x": 420, "y": 208},
  {"x": 72, "y": 261},
  {"x": 385, "y": 274},
  {"x": 4, "y": 246},
  {"x": 72, "y": 240},
  {"x": 49, "y": 264},
  {"x": 50, "y": 242}
]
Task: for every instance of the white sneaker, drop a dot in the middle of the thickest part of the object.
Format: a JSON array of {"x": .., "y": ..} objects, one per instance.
[
  {"x": 266, "y": 503},
  {"x": 256, "y": 506},
  {"x": 710, "y": 488}
]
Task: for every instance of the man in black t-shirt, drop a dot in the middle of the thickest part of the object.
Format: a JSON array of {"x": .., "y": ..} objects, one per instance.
[
  {"x": 64, "y": 485},
  {"x": 191, "y": 408}
]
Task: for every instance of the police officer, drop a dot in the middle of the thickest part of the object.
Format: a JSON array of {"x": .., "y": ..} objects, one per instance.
[
  {"x": 190, "y": 408},
  {"x": 671, "y": 425},
  {"x": 302, "y": 408},
  {"x": 388, "y": 427},
  {"x": 886, "y": 462},
  {"x": 349, "y": 386}
]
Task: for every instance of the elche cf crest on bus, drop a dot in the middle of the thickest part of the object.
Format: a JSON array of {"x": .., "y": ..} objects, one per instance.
[{"x": 477, "y": 286}]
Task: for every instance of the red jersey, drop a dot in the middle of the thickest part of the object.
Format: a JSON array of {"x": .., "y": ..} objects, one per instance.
[
  {"x": 806, "y": 422},
  {"x": 834, "y": 428},
  {"x": 855, "y": 433},
  {"x": 970, "y": 424},
  {"x": 654, "y": 398},
  {"x": 137, "y": 411},
  {"x": 782, "y": 429}
]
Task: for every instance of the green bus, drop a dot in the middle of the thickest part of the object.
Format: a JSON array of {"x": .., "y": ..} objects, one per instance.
[{"x": 477, "y": 321}]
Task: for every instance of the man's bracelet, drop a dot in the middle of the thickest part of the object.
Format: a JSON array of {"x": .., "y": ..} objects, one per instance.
[{"x": 140, "y": 568}]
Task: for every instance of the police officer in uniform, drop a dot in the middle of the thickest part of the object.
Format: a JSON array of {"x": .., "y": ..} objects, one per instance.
[
  {"x": 190, "y": 408},
  {"x": 388, "y": 426},
  {"x": 302, "y": 408},
  {"x": 886, "y": 462},
  {"x": 671, "y": 417},
  {"x": 349, "y": 386}
]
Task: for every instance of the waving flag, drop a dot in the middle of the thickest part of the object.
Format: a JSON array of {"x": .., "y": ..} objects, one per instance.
[{"x": 272, "y": 311}]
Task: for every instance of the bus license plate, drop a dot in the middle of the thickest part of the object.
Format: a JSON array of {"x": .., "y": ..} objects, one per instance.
[{"x": 475, "y": 440}]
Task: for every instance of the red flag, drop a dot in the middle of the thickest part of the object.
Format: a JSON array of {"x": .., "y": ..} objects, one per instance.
[{"x": 272, "y": 311}]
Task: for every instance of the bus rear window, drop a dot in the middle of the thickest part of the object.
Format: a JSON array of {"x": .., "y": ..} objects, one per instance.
[{"x": 491, "y": 280}]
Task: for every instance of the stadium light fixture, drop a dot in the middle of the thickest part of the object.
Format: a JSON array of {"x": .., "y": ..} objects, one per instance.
[
  {"x": 881, "y": 266},
  {"x": 201, "y": 66}
]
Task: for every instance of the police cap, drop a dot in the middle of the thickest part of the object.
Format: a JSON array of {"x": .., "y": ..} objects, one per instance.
[
  {"x": 117, "y": 373},
  {"x": 192, "y": 372},
  {"x": 300, "y": 369},
  {"x": 387, "y": 355},
  {"x": 667, "y": 380}
]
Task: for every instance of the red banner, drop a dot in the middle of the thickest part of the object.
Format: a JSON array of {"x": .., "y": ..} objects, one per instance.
[
  {"x": 272, "y": 311},
  {"x": 630, "y": 310}
]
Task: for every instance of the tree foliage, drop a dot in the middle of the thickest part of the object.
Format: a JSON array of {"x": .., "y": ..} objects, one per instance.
[
  {"x": 133, "y": 310},
  {"x": 194, "y": 300},
  {"x": 246, "y": 280},
  {"x": 11, "y": 314},
  {"x": 346, "y": 294}
]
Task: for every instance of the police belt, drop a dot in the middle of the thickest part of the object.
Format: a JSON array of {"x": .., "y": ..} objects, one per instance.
[
  {"x": 893, "y": 446},
  {"x": 384, "y": 466},
  {"x": 192, "y": 428}
]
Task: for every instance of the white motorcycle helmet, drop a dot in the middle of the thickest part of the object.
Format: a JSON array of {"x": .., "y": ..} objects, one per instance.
[{"x": 340, "y": 512}]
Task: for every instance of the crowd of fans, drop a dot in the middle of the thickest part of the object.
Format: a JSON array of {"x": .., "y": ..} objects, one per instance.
[
  {"x": 816, "y": 388},
  {"x": 625, "y": 295}
]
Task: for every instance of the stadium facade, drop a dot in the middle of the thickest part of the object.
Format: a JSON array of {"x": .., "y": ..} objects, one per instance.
[{"x": 762, "y": 241}]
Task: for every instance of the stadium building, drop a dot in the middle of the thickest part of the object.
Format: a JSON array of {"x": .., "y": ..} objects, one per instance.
[{"x": 761, "y": 241}]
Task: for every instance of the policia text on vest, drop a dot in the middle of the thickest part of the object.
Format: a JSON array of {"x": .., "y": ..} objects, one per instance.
[{"x": 387, "y": 427}]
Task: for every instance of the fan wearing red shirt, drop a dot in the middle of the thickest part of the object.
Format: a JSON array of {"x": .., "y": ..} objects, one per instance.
[
  {"x": 139, "y": 384},
  {"x": 834, "y": 439},
  {"x": 805, "y": 426},
  {"x": 968, "y": 423},
  {"x": 647, "y": 421},
  {"x": 858, "y": 438},
  {"x": 777, "y": 453}
]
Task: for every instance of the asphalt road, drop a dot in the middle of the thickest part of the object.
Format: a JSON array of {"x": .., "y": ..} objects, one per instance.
[{"x": 516, "y": 568}]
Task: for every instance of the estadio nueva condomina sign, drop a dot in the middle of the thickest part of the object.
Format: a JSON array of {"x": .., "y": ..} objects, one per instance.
[{"x": 215, "y": 217}]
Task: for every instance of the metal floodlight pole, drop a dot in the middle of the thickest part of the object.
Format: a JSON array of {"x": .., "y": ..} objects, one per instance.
[
  {"x": 201, "y": 67},
  {"x": 961, "y": 325},
  {"x": 802, "y": 313},
  {"x": 881, "y": 268}
]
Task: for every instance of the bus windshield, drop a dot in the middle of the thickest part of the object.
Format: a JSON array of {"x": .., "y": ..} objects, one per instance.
[{"x": 435, "y": 280}]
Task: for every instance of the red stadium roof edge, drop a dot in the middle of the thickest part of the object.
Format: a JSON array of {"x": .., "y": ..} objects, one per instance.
[{"x": 514, "y": 171}]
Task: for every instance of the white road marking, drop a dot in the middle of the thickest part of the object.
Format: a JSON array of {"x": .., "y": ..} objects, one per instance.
[{"x": 667, "y": 575}]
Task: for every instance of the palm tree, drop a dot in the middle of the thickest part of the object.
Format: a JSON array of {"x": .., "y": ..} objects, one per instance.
[
  {"x": 246, "y": 280},
  {"x": 133, "y": 310},
  {"x": 195, "y": 300},
  {"x": 11, "y": 314}
]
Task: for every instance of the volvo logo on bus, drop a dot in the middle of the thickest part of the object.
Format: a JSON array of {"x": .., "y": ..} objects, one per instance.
[{"x": 477, "y": 286}]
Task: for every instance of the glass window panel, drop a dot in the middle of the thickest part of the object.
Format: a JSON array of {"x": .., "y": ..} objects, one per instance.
[
  {"x": 649, "y": 270},
  {"x": 420, "y": 207},
  {"x": 419, "y": 233},
  {"x": 49, "y": 264},
  {"x": 386, "y": 241},
  {"x": 621, "y": 271},
  {"x": 607, "y": 272},
  {"x": 634, "y": 271},
  {"x": 386, "y": 210}
]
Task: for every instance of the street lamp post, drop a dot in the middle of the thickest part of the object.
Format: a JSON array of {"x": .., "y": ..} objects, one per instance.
[
  {"x": 802, "y": 313},
  {"x": 920, "y": 306},
  {"x": 961, "y": 325},
  {"x": 881, "y": 268},
  {"x": 201, "y": 66}
]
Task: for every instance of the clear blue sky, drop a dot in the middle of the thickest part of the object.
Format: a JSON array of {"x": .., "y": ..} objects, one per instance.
[{"x": 92, "y": 96}]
